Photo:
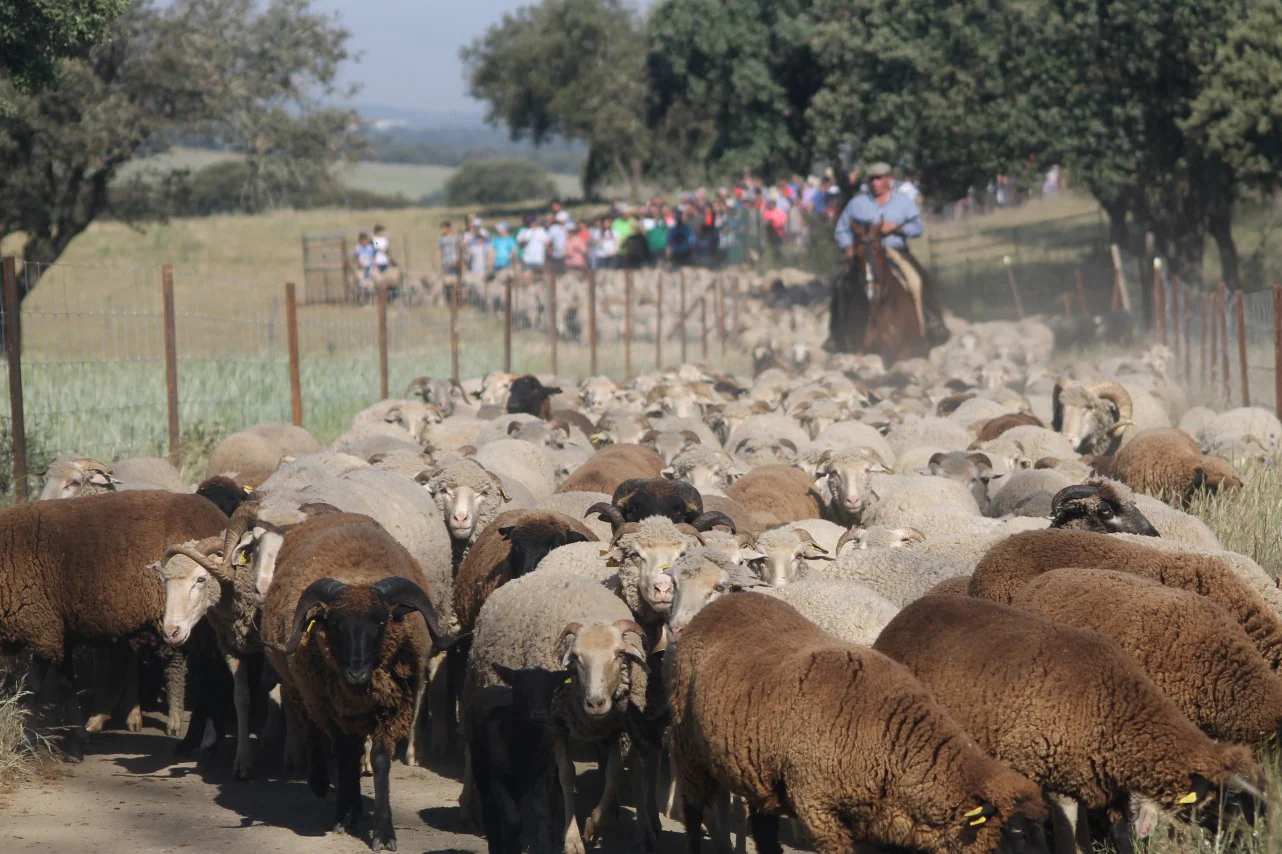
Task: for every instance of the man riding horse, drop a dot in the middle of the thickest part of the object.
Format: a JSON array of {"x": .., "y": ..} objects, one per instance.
[{"x": 893, "y": 218}]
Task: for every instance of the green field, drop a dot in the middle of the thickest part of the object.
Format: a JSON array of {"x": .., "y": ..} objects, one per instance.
[{"x": 411, "y": 180}]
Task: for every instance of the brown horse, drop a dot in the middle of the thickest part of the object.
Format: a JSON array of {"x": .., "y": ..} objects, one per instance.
[{"x": 878, "y": 314}]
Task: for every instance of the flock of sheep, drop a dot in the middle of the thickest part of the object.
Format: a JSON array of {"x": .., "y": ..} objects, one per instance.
[{"x": 950, "y": 605}]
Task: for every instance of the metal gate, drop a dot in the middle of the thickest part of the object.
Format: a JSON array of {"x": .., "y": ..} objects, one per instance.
[{"x": 326, "y": 268}]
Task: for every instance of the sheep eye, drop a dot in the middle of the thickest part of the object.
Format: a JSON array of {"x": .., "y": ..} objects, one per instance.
[
  {"x": 200, "y": 580},
  {"x": 1106, "y": 512},
  {"x": 1025, "y": 464}
]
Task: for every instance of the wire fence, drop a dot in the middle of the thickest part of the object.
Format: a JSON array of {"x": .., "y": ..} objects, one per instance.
[{"x": 125, "y": 362}]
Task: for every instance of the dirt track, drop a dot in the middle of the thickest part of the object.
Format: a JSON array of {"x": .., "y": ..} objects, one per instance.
[{"x": 131, "y": 795}]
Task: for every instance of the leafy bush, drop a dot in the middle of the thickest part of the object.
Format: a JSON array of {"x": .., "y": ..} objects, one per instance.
[{"x": 487, "y": 182}]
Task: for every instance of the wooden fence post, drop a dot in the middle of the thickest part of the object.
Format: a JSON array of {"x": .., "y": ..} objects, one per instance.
[
  {"x": 1277, "y": 348},
  {"x": 1187, "y": 324},
  {"x": 1068, "y": 304},
  {"x": 627, "y": 324},
  {"x": 291, "y": 332},
  {"x": 1014, "y": 287},
  {"x": 658, "y": 323},
  {"x": 1240, "y": 311},
  {"x": 736, "y": 304},
  {"x": 721, "y": 314},
  {"x": 171, "y": 361},
  {"x": 382, "y": 341},
  {"x": 507, "y": 322},
  {"x": 1215, "y": 336},
  {"x": 1177, "y": 315},
  {"x": 1081, "y": 291},
  {"x": 592, "y": 320},
  {"x": 681, "y": 281},
  {"x": 13, "y": 351},
  {"x": 1224, "y": 342},
  {"x": 552, "y": 318},
  {"x": 1159, "y": 301},
  {"x": 1206, "y": 311},
  {"x": 703, "y": 326},
  {"x": 454, "y": 298}
]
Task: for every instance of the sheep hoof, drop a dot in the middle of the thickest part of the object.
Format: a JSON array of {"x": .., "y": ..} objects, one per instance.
[
  {"x": 574, "y": 846},
  {"x": 133, "y": 723},
  {"x": 243, "y": 767},
  {"x": 318, "y": 781},
  {"x": 646, "y": 837},
  {"x": 383, "y": 837},
  {"x": 596, "y": 822},
  {"x": 174, "y": 726},
  {"x": 96, "y": 723}
]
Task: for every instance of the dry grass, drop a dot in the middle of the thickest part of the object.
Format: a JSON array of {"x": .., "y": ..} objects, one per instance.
[{"x": 16, "y": 755}]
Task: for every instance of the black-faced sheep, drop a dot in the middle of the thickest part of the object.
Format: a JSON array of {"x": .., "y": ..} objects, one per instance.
[
  {"x": 224, "y": 492},
  {"x": 510, "y": 546},
  {"x": 1190, "y": 647},
  {"x": 529, "y": 396},
  {"x": 339, "y": 625},
  {"x": 1167, "y": 464},
  {"x": 636, "y": 500},
  {"x": 1065, "y": 706},
  {"x": 838, "y": 735},
  {"x": 1016, "y": 560},
  {"x": 1100, "y": 505},
  {"x": 77, "y": 571},
  {"x": 555, "y": 622}
]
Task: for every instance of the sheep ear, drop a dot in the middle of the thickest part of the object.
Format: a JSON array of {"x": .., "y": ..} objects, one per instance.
[
  {"x": 507, "y": 674},
  {"x": 423, "y": 477},
  {"x": 633, "y": 642},
  {"x": 498, "y": 483},
  {"x": 566, "y": 643},
  {"x": 741, "y": 579},
  {"x": 506, "y": 532},
  {"x": 669, "y": 473},
  {"x": 751, "y": 555}
]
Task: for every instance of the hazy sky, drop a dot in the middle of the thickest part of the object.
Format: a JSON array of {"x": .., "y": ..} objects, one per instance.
[{"x": 411, "y": 48}]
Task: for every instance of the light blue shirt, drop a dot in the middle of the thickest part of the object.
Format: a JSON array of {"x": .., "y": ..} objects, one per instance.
[{"x": 864, "y": 210}]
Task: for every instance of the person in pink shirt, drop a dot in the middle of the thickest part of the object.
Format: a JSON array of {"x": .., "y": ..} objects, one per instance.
[
  {"x": 576, "y": 249},
  {"x": 774, "y": 217}
]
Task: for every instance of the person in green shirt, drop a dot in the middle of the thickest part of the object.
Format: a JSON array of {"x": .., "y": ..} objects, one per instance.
[
  {"x": 622, "y": 225},
  {"x": 657, "y": 238}
]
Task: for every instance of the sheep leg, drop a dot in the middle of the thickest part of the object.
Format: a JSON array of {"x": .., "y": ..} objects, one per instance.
[
  {"x": 765, "y": 832},
  {"x": 383, "y": 834},
  {"x": 693, "y": 815},
  {"x": 413, "y": 749},
  {"x": 175, "y": 688},
  {"x": 73, "y": 744},
  {"x": 297, "y": 731},
  {"x": 441, "y": 702},
  {"x": 243, "y": 766},
  {"x": 318, "y": 775},
  {"x": 607, "y": 809},
  {"x": 645, "y": 773},
  {"x": 108, "y": 680},
  {"x": 133, "y": 715},
  {"x": 347, "y": 756},
  {"x": 573, "y": 842},
  {"x": 1071, "y": 836},
  {"x": 828, "y": 833},
  {"x": 719, "y": 822}
]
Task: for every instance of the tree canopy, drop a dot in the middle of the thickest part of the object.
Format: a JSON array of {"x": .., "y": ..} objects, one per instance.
[
  {"x": 568, "y": 68},
  {"x": 249, "y": 78},
  {"x": 489, "y": 182},
  {"x": 34, "y": 34}
]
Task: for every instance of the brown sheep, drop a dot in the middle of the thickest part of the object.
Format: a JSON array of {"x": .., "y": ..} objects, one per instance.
[
  {"x": 1018, "y": 559},
  {"x": 1167, "y": 464},
  {"x": 777, "y": 495},
  {"x": 1065, "y": 706},
  {"x": 958, "y": 585},
  {"x": 743, "y": 521},
  {"x": 351, "y": 655},
  {"x": 611, "y": 466},
  {"x": 509, "y": 547},
  {"x": 76, "y": 570},
  {"x": 994, "y": 427},
  {"x": 838, "y": 735},
  {"x": 1192, "y": 648}
]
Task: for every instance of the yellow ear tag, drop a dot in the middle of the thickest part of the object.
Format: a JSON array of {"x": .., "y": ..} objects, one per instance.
[
  {"x": 976, "y": 811},
  {"x": 249, "y": 490},
  {"x": 978, "y": 821},
  {"x": 1190, "y": 798},
  {"x": 613, "y": 563},
  {"x": 569, "y": 679},
  {"x": 309, "y": 627},
  {"x": 242, "y": 559},
  {"x": 604, "y": 552}
]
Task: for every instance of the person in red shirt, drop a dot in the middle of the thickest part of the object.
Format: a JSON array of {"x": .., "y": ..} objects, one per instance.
[{"x": 774, "y": 217}]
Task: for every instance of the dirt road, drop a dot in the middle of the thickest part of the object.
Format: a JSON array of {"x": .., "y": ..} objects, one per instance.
[{"x": 131, "y": 795}]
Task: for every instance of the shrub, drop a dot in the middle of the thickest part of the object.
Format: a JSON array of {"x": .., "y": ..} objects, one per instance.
[{"x": 488, "y": 182}]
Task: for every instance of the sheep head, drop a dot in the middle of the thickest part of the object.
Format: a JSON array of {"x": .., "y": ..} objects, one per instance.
[
  {"x": 1213, "y": 474},
  {"x": 193, "y": 575},
  {"x": 973, "y": 470},
  {"x": 761, "y": 451},
  {"x": 640, "y": 498},
  {"x": 702, "y": 576},
  {"x": 351, "y": 620},
  {"x": 644, "y": 552},
  {"x": 465, "y": 492},
  {"x": 877, "y": 537},
  {"x": 68, "y": 477},
  {"x": 1100, "y": 505},
  {"x": 598, "y": 393},
  {"x": 250, "y": 542},
  {"x": 533, "y": 536},
  {"x": 846, "y": 476},
  {"x": 533, "y": 689},
  {"x": 781, "y": 553},
  {"x": 709, "y": 470},
  {"x": 600, "y": 658},
  {"x": 1092, "y": 416}
]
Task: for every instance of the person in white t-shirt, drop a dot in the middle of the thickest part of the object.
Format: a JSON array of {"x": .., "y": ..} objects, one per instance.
[
  {"x": 909, "y": 188},
  {"x": 381, "y": 244},
  {"x": 534, "y": 251}
]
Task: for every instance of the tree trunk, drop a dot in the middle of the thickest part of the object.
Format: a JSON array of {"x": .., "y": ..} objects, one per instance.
[
  {"x": 634, "y": 180},
  {"x": 1118, "y": 231},
  {"x": 1221, "y": 227}
]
